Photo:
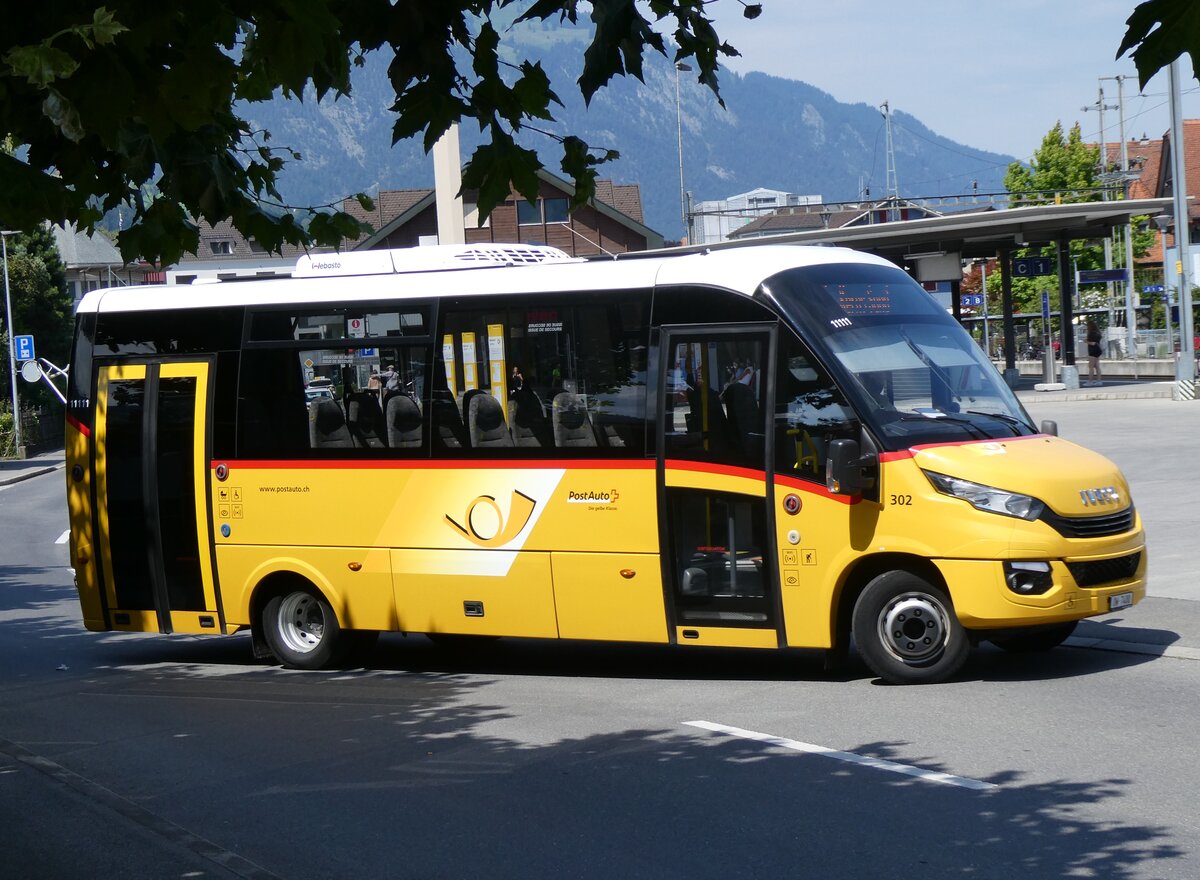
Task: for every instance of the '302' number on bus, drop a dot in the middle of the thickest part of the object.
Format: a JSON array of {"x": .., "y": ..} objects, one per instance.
[{"x": 902, "y": 500}]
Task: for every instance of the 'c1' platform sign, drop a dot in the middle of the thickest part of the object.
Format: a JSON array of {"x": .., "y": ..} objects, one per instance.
[{"x": 1029, "y": 267}]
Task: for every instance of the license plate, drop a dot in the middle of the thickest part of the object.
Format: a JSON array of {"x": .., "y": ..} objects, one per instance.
[{"x": 1120, "y": 600}]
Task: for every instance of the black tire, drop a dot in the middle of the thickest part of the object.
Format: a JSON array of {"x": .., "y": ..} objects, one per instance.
[
  {"x": 358, "y": 645},
  {"x": 301, "y": 628},
  {"x": 1038, "y": 638},
  {"x": 906, "y": 630}
]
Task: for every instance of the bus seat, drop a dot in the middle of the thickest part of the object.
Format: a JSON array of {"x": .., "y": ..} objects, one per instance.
[
  {"x": 366, "y": 420},
  {"x": 449, "y": 432},
  {"x": 466, "y": 404},
  {"x": 572, "y": 427},
  {"x": 403, "y": 419},
  {"x": 486, "y": 419},
  {"x": 528, "y": 419},
  {"x": 327, "y": 426}
]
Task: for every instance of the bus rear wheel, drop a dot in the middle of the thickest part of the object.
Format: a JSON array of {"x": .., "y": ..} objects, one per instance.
[
  {"x": 906, "y": 630},
  {"x": 301, "y": 628}
]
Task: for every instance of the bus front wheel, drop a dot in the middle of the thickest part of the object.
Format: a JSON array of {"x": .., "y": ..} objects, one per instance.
[
  {"x": 301, "y": 628},
  {"x": 906, "y": 630}
]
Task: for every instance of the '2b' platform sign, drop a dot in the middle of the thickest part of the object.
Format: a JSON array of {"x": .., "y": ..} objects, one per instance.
[{"x": 1029, "y": 267}]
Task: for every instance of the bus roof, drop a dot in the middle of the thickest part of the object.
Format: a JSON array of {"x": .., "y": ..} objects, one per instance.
[{"x": 736, "y": 269}]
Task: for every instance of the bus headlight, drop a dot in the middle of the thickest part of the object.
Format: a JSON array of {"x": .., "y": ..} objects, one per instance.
[{"x": 987, "y": 498}]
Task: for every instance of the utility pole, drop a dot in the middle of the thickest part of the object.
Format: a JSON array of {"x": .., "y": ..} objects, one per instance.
[
  {"x": 1185, "y": 367},
  {"x": 893, "y": 184}
]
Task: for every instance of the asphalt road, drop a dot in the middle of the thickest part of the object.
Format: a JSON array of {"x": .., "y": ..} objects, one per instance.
[{"x": 151, "y": 756}]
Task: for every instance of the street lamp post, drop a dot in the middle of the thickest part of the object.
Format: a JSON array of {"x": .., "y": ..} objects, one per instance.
[
  {"x": 1163, "y": 222},
  {"x": 683, "y": 208},
  {"x": 12, "y": 349}
]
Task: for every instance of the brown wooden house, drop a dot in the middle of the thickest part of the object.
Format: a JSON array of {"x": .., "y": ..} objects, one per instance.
[{"x": 610, "y": 223}]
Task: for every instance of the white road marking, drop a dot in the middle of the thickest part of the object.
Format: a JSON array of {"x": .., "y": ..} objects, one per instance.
[
  {"x": 64, "y": 537},
  {"x": 877, "y": 763}
]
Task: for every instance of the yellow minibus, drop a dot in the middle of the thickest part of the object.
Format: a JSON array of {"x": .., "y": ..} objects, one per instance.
[{"x": 758, "y": 447}]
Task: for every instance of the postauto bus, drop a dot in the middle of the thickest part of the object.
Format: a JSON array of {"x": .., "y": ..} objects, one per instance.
[{"x": 764, "y": 447}]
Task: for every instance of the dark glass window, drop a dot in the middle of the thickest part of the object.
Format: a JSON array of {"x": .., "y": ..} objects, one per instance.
[
  {"x": 528, "y": 213},
  {"x": 555, "y": 210},
  {"x": 125, "y": 479},
  {"x": 183, "y": 331},
  {"x": 718, "y": 542},
  {"x": 692, "y": 305},
  {"x": 714, "y": 396},
  {"x": 175, "y": 462},
  {"x": 79, "y": 377},
  {"x": 322, "y": 402},
  {"x": 330, "y": 324},
  {"x": 810, "y": 411},
  {"x": 548, "y": 373}
]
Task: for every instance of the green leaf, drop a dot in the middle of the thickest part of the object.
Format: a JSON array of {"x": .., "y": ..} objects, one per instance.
[
  {"x": 495, "y": 169},
  {"x": 41, "y": 65},
  {"x": 1162, "y": 30},
  {"x": 63, "y": 114},
  {"x": 105, "y": 27}
]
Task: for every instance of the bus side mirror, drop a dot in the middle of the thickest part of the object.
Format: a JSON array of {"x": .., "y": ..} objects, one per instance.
[
  {"x": 1049, "y": 426},
  {"x": 844, "y": 469}
]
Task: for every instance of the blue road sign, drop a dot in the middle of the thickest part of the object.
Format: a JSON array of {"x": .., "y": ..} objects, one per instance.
[
  {"x": 973, "y": 300},
  {"x": 1046, "y": 306},
  {"x": 1153, "y": 288},
  {"x": 24, "y": 347}
]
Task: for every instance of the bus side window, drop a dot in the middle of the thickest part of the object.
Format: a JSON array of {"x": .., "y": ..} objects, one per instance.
[{"x": 810, "y": 412}]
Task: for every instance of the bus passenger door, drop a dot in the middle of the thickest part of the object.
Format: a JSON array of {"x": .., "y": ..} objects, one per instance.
[
  {"x": 714, "y": 444},
  {"x": 151, "y": 472}
]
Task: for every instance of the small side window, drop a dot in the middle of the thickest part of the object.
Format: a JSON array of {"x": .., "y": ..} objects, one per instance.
[{"x": 810, "y": 412}]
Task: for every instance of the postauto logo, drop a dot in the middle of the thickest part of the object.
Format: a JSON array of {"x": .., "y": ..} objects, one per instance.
[
  {"x": 493, "y": 529},
  {"x": 590, "y": 497}
]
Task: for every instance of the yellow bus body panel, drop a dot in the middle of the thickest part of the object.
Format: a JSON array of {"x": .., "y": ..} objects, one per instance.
[
  {"x": 474, "y": 592},
  {"x": 726, "y": 637},
  {"x": 78, "y": 449},
  {"x": 360, "y": 597},
  {"x": 966, "y": 545},
  {"x": 609, "y": 596}
]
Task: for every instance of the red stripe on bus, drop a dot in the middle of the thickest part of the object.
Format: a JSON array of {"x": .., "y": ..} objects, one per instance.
[
  {"x": 79, "y": 426},
  {"x": 915, "y": 449},
  {"x": 811, "y": 488},
  {"x": 724, "y": 470},
  {"x": 441, "y": 464}
]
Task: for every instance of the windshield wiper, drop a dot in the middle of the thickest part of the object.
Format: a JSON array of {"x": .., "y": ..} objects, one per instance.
[
  {"x": 940, "y": 416},
  {"x": 1004, "y": 417}
]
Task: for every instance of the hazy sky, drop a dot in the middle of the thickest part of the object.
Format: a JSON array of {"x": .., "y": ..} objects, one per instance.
[{"x": 991, "y": 75}]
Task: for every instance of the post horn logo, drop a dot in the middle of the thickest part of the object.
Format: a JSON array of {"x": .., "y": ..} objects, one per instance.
[{"x": 520, "y": 508}]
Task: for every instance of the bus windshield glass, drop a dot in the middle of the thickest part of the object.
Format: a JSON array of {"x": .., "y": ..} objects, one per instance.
[{"x": 910, "y": 369}]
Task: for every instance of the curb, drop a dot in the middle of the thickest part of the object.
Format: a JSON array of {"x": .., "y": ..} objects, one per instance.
[
  {"x": 1177, "y": 652},
  {"x": 29, "y": 475}
]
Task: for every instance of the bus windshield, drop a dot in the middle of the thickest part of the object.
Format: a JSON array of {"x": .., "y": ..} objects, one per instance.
[{"x": 910, "y": 369}]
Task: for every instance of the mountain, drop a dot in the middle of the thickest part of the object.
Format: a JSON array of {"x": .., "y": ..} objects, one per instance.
[{"x": 774, "y": 132}]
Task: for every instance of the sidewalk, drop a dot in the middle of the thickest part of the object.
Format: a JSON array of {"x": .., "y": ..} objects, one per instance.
[
  {"x": 14, "y": 470},
  {"x": 1156, "y": 626},
  {"x": 1112, "y": 389}
]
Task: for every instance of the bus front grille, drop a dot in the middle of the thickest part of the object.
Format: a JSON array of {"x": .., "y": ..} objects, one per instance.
[
  {"x": 1105, "y": 571},
  {"x": 1090, "y": 526}
]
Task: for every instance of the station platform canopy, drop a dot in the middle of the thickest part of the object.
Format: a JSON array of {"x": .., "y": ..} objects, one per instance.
[{"x": 970, "y": 234}]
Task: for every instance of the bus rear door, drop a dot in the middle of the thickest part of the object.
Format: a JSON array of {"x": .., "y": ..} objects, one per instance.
[
  {"x": 713, "y": 408},
  {"x": 151, "y": 469}
]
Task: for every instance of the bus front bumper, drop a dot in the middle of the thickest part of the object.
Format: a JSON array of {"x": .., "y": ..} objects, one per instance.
[{"x": 983, "y": 600}]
